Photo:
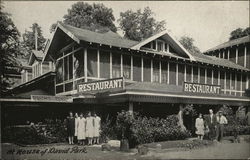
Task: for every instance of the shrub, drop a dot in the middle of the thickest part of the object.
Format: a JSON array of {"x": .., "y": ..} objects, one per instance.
[
  {"x": 52, "y": 131},
  {"x": 107, "y": 130},
  {"x": 140, "y": 130}
]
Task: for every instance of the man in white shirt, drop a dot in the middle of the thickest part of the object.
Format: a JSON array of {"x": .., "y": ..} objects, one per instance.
[{"x": 221, "y": 121}]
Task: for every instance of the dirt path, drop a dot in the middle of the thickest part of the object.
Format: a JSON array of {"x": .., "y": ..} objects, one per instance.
[{"x": 217, "y": 151}]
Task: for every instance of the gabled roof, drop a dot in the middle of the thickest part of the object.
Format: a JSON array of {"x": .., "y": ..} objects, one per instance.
[
  {"x": 167, "y": 35},
  {"x": 217, "y": 61},
  {"x": 108, "y": 38},
  {"x": 234, "y": 42},
  {"x": 36, "y": 55}
]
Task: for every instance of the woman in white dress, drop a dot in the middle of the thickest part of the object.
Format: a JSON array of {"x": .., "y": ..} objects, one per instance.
[
  {"x": 199, "y": 125},
  {"x": 89, "y": 128},
  {"x": 76, "y": 122},
  {"x": 81, "y": 127},
  {"x": 97, "y": 127}
]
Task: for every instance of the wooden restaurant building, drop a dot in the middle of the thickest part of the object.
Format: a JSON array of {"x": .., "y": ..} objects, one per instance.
[{"x": 103, "y": 72}]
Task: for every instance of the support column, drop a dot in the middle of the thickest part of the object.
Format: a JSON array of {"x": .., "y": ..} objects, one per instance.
[
  {"x": 245, "y": 56},
  {"x": 151, "y": 71},
  {"x": 142, "y": 69},
  {"x": 160, "y": 71},
  {"x": 168, "y": 72},
  {"x": 228, "y": 53},
  {"x": 177, "y": 70},
  {"x": 132, "y": 69},
  {"x": 185, "y": 73},
  {"x": 212, "y": 76},
  {"x": 110, "y": 67},
  {"x": 98, "y": 63},
  {"x": 237, "y": 52},
  {"x": 121, "y": 66},
  {"x": 85, "y": 65}
]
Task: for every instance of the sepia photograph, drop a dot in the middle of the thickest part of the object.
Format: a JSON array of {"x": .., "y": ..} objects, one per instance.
[{"x": 127, "y": 80}]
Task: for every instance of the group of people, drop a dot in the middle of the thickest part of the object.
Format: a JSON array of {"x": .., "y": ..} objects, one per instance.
[
  {"x": 83, "y": 128},
  {"x": 213, "y": 125}
]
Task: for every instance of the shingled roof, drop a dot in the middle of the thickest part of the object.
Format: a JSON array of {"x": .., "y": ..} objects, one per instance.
[
  {"x": 108, "y": 38},
  {"x": 230, "y": 43},
  {"x": 113, "y": 39}
]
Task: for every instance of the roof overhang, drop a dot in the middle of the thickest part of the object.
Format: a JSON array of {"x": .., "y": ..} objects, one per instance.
[{"x": 168, "y": 37}]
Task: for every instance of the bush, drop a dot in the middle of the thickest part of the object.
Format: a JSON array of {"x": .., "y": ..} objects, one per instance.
[
  {"x": 52, "y": 131},
  {"x": 107, "y": 130},
  {"x": 140, "y": 130},
  {"x": 23, "y": 135}
]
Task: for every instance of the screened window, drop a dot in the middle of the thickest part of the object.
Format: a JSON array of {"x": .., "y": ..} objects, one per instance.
[
  {"x": 70, "y": 59},
  {"x": 156, "y": 71},
  {"x": 126, "y": 66},
  {"x": 202, "y": 75},
  {"x": 222, "y": 79},
  {"x": 188, "y": 73},
  {"x": 154, "y": 44},
  {"x": 233, "y": 82},
  {"x": 209, "y": 76},
  {"x": 146, "y": 69},
  {"x": 136, "y": 68},
  {"x": 238, "y": 83},
  {"x": 92, "y": 62},
  {"x": 244, "y": 79},
  {"x": 104, "y": 64},
  {"x": 195, "y": 76},
  {"x": 166, "y": 47},
  {"x": 172, "y": 73},
  {"x": 228, "y": 82},
  {"x": 59, "y": 71},
  {"x": 79, "y": 64},
  {"x": 164, "y": 72},
  {"x": 116, "y": 65},
  {"x": 159, "y": 46},
  {"x": 215, "y": 77},
  {"x": 66, "y": 68},
  {"x": 180, "y": 74}
]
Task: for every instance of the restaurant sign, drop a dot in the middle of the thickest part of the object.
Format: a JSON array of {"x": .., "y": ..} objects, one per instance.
[
  {"x": 101, "y": 86},
  {"x": 201, "y": 88}
]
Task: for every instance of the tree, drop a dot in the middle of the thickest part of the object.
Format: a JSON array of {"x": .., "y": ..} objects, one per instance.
[
  {"x": 188, "y": 44},
  {"x": 239, "y": 32},
  {"x": 9, "y": 50},
  {"x": 92, "y": 17},
  {"x": 29, "y": 37},
  {"x": 139, "y": 25}
]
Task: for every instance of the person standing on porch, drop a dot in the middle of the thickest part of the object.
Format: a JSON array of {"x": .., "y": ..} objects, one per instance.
[
  {"x": 97, "y": 127},
  {"x": 211, "y": 122},
  {"x": 221, "y": 121},
  {"x": 81, "y": 129},
  {"x": 89, "y": 128},
  {"x": 70, "y": 125},
  {"x": 199, "y": 125}
]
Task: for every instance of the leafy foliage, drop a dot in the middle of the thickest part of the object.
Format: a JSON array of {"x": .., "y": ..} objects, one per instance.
[
  {"x": 139, "y": 25},
  {"x": 9, "y": 50},
  {"x": 29, "y": 37},
  {"x": 188, "y": 44},
  {"x": 92, "y": 17},
  {"x": 51, "y": 131},
  {"x": 140, "y": 130},
  {"x": 239, "y": 32}
]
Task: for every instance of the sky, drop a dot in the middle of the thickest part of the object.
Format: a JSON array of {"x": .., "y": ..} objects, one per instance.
[{"x": 209, "y": 23}]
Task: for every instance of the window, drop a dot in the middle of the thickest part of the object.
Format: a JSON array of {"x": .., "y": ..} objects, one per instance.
[
  {"x": 209, "y": 76},
  {"x": 172, "y": 73},
  {"x": 78, "y": 64},
  {"x": 215, "y": 77},
  {"x": 92, "y": 62},
  {"x": 166, "y": 47},
  {"x": 136, "y": 68},
  {"x": 146, "y": 69},
  {"x": 104, "y": 64},
  {"x": 156, "y": 71},
  {"x": 188, "y": 73},
  {"x": 126, "y": 66},
  {"x": 202, "y": 75},
  {"x": 159, "y": 46},
  {"x": 164, "y": 72},
  {"x": 66, "y": 68},
  {"x": 195, "y": 74},
  {"x": 153, "y": 44},
  {"x": 70, "y": 59},
  {"x": 180, "y": 74},
  {"x": 116, "y": 65},
  {"x": 59, "y": 71},
  {"x": 222, "y": 79}
]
